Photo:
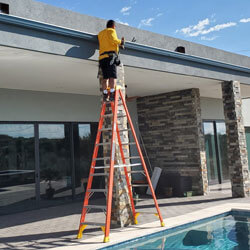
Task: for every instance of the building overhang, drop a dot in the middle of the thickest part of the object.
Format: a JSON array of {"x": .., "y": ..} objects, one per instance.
[
  {"x": 67, "y": 63},
  {"x": 36, "y": 71}
]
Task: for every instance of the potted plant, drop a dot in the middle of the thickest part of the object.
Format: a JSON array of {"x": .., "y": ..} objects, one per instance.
[{"x": 48, "y": 175}]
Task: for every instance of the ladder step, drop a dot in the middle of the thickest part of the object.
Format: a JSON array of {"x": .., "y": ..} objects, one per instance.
[
  {"x": 96, "y": 206},
  {"x": 110, "y": 129},
  {"x": 133, "y": 157},
  {"x": 93, "y": 223},
  {"x": 100, "y": 174},
  {"x": 101, "y": 158},
  {"x": 119, "y": 166},
  {"x": 139, "y": 185},
  {"x": 97, "y": 190},
  {"x": 111, "y": 115},
  {"x": 103, "y": 143},
  {"x": 146, "y": 212},
  {"x": 136, "y": 172},
  {"x": 128, "y": 143},
  {"x": 106, "y": 158}
]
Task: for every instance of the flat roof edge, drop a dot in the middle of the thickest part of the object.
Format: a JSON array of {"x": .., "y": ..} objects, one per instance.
[{"x": 10, "y": 19}]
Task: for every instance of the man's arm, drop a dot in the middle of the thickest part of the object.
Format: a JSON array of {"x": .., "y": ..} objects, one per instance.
[{"x": 114, "y": 38}]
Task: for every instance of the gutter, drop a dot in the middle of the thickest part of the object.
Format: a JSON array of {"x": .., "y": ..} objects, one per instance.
[{"x": 35, "y": 25}]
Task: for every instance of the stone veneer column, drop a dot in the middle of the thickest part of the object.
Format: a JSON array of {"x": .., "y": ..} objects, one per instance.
[
  {"x": 236, "y": 139},
  {"x": 121, "y": 207},
  {"x": 171, "y": 128}
]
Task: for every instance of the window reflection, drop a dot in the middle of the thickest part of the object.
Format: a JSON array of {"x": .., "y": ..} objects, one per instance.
[
  {"x": 55, "y": 171},
  {"x": 247, "y": 129},
  {"x": 17, "y": 167},
  {"x": 83, "y": 154},
  {"x": 222, "y": 149},
  {"x": 210, "y": 152}
]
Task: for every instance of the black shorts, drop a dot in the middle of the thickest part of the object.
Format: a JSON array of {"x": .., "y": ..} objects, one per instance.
[{"x": 108, "y": 71}]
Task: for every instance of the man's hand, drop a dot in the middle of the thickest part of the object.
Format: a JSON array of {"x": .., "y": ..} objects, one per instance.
[{"x": 122, "y": 43}]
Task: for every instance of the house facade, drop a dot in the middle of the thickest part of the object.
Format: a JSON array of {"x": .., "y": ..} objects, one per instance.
[{"x": 190, "y": 109}]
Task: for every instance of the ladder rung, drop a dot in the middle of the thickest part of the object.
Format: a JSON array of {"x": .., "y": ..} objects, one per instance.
[
  {"x": 139, "y": 199},
  {"x": 97, "y": 190},
  {"x": 146, "y": 212},
  {"x": 96, "y": 206},
  {"x": 93, "y": 223},
  {"x": 119, "y": 166},
  {"x": 103, "y": 143},
  {"x": 136, "y": 172},
  {"x": 100, "y": 174},
  {"x": 101, "y": 158},
  {"x": 106, "y": 158},
  {"x": 110, "y": 129},
  {"x": 128, "y": 143},
  {"x": 133, "y": 157},
  {"x": 111, "y": 115},
  {"x": 139, "y": 185}
]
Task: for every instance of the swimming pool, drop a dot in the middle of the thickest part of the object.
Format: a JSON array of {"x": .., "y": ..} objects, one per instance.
[{"x": 226, "y": 231}]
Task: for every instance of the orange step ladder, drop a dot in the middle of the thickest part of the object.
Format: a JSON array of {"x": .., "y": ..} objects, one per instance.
[{"x": 118, "y": 100}]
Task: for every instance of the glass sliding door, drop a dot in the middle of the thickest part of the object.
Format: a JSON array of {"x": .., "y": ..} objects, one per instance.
[
  {"x": 55, "y": 169},
  {"x": 17, "y": 168},
  {"x": 247, "y": 129},
  {"x": 212, "y": 167},
  {"x": 216, "y": 151},
  {"x": 44, "y": 164},
  {"x": 84, "y": 138},
  {"x": 221, "y": 137}
]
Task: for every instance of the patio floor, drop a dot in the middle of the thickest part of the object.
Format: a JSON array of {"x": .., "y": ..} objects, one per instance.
[{"x": 57, "y": 226}]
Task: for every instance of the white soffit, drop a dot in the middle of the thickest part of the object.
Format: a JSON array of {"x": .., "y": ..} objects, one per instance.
[{"x": 29, "y": 70}]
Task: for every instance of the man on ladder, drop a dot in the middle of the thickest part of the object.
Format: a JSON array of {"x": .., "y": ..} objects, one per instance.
[{"x": 108, "y": 58}]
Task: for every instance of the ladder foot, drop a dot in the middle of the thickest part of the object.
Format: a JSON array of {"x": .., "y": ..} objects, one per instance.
[
  {"x": 162, "y": 224},
  {"x": 106, "y": 239},
  {"x": 79, "y": 235}
]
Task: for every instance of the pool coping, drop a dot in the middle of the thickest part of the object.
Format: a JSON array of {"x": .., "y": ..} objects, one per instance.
[{"x": 122, "y": 235}]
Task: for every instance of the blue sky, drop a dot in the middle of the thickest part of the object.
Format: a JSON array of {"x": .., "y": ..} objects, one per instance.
[{"x": 222, "y": 24}]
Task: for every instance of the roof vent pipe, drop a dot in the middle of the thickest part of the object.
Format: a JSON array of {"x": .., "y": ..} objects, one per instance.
[
  {"x": 4, "y": 8},
  {"x": 180, "y": 49}
]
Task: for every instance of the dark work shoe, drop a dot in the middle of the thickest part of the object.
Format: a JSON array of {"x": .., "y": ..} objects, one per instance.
[{"x": 112, "y": 96}]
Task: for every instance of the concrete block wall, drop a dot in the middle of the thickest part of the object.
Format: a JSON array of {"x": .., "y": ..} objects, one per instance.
[{"x": 171, "y": 128}]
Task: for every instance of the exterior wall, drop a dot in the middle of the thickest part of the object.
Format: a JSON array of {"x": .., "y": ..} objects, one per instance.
[
  {"x": 246, "y": 112},
  {"x": 51, "y": 42},
  {"x": 49, "y": 14},
  {"x": 171, "y": 128},
  {"x": 212, "y": 109},
  {"x": 19, "y": 105}
]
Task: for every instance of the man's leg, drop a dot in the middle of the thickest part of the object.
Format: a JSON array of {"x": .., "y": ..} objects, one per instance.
[
  {"x": 112, "y": 85},
  {"x": 105, "y": 84},
  {"x": 104, "y": 89}
]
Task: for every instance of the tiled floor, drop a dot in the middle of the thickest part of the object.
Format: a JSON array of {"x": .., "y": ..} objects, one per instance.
[{"x": 57, "y": 226}]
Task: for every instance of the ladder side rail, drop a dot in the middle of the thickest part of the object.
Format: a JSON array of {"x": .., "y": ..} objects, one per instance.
[
  {"x": 92, "y": 167},
  {"x": 126, "y": 175},
  {"x": 141, "y": 156},
  {"x": 111, "y": 170}
]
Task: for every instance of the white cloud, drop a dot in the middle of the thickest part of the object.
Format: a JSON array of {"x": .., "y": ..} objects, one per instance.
[
  {"x": 204, "y": 38},
  {"x": 146, "y": 22},
  {"x": 125, "y": 10},
  {"x": 119, "y": 21},
  {"x": 245, "y": 20},
  {"x": 201, "y": 28}
]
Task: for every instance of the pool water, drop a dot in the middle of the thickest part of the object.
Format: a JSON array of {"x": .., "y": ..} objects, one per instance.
[{"x": 222, "y": 232}]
